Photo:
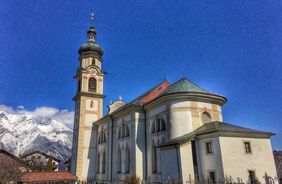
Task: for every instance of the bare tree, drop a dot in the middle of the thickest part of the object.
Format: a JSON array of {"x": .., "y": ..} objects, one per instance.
[{"x": 9, "y": 170}]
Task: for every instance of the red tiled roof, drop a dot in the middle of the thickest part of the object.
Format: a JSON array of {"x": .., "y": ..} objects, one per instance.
[
  {"x": 2, "y": 151},
  {"x": 153, "y": 94},
  {"x": 48, "y": 176}
]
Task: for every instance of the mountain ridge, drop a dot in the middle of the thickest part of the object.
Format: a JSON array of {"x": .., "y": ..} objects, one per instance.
[{"x": 23, "y": 133}]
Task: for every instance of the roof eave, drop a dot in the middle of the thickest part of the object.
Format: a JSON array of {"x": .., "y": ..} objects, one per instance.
[
  {"x": 120, "y": 111},
  {"x": 197, "y": 96}
]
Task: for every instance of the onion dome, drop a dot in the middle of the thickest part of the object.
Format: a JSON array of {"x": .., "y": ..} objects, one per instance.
[{"x": 91, "y": 47}]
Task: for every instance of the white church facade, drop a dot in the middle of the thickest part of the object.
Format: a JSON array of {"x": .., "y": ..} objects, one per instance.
[{"x": 172, "y": 131}]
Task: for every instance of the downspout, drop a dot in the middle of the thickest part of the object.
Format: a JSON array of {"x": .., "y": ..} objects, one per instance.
[
  {"x": 195, "y": 159},
  {"x": 112, "y": 139},
  {"x": 146, "y": 170},
  {"x": 178, "y": 162}
]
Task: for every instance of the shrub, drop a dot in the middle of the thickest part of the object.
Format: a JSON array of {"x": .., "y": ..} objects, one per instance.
[{"x": 132, "y": 179}]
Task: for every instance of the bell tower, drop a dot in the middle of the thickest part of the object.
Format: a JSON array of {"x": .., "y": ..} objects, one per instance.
[{"x": 88, "y": 105}]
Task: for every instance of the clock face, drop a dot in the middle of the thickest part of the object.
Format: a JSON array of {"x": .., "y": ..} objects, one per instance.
[{"x": 93, "y": 72}]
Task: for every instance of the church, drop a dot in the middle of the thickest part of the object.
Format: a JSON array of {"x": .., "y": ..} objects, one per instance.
[{"x": 172, "y": 131}]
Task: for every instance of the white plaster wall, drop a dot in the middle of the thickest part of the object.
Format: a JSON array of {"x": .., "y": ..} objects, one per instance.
[
  {"x": 100, "y": 148},
  {"x": 157, "y": 110},
  {"x": 127, "y": 118},
  {"x": 87, "y": 138},
  {"x": 90, "y": 118},
  {"x": 181, "y": 119},
  {"x": 180, "y": 103},
  {"x": 186, "y": 158},
  {"x": 140, "y": 145},
  {"x": 237, "y": 163},
  {"x": 180, "y": 123},
  {"x": 89, "y": 154},
  {"x": 209, "y": 162},
  {"x": 169, "y": 166},
  {"x": 129, "y": 142},
  {"x": 160, "y": 111},
  {"x": 204, "y": 105},
  {"x": 87, "y": 169}
]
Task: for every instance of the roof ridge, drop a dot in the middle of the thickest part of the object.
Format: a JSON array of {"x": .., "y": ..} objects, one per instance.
[
  {"x": 147, "y": 92},
  {"x": 136, "y": 99}
]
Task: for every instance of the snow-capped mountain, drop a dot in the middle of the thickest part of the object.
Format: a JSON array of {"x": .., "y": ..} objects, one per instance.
[{"x": 23, "y": 133}]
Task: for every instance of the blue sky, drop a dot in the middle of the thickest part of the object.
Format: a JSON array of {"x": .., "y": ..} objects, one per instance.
[{"x": 233, "y": 48}]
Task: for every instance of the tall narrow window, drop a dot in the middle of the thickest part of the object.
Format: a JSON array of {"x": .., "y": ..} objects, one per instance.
[
  {"x": 104, "y": 162},
  {"x": 92, "y": 84},
  {"x": 209, "y": 147},
  {"x": 153, "y": 128},
  {"x": 247, "y": 147},
  {"x": 158, "y": 125},
  {"x": 154, "y": 159},
  {"x": 91, "y": 104},
  {"x": 127, "y": 160},
  {"x": 162, "y": 124},
  {"x": 211, "y": 177},
  {"x": 123, "y": 131},
  {"x": 118, "y": 160},
  {"x": 119, "y": 133},
  {"x": 102, "y": 137},
  {"x": 98, "y": 163},
  {"x": 206, "y": 117}
]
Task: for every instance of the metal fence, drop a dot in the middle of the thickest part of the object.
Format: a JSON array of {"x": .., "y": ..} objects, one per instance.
[{"x": 227, "y": 180}]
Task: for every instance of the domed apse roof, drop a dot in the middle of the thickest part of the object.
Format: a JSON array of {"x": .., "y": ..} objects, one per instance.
[{"x": 183, "y": 85}]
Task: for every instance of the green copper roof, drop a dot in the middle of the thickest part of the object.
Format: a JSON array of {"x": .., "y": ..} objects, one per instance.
[
  {"x": 183, "y": 85},
  {"x": 90, "y": 47}
]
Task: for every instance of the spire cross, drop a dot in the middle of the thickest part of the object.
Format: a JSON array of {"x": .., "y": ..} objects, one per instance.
[{"x": 92, "y": 18}]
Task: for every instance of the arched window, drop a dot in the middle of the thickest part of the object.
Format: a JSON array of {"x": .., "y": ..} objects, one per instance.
[
  {"x": 102, "y": 137},
  {"x": 123, "y": 131},
  {"x": 91, "y": 104},
  {"x": 93, "y": 62},
  {"x": 158, "y": 125},
  {"x": 92, "y": 83},
  {"x": 156, "y": 156},
  {"x": 206, "y": 117},
  {"x": 123, "y": 159}
]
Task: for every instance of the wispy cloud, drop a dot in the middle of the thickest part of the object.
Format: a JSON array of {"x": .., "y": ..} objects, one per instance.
[{"x": 63, "y": 115}]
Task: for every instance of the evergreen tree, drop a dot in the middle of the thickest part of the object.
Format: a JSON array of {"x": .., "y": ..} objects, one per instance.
[{"x": 49, "y": 166}]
